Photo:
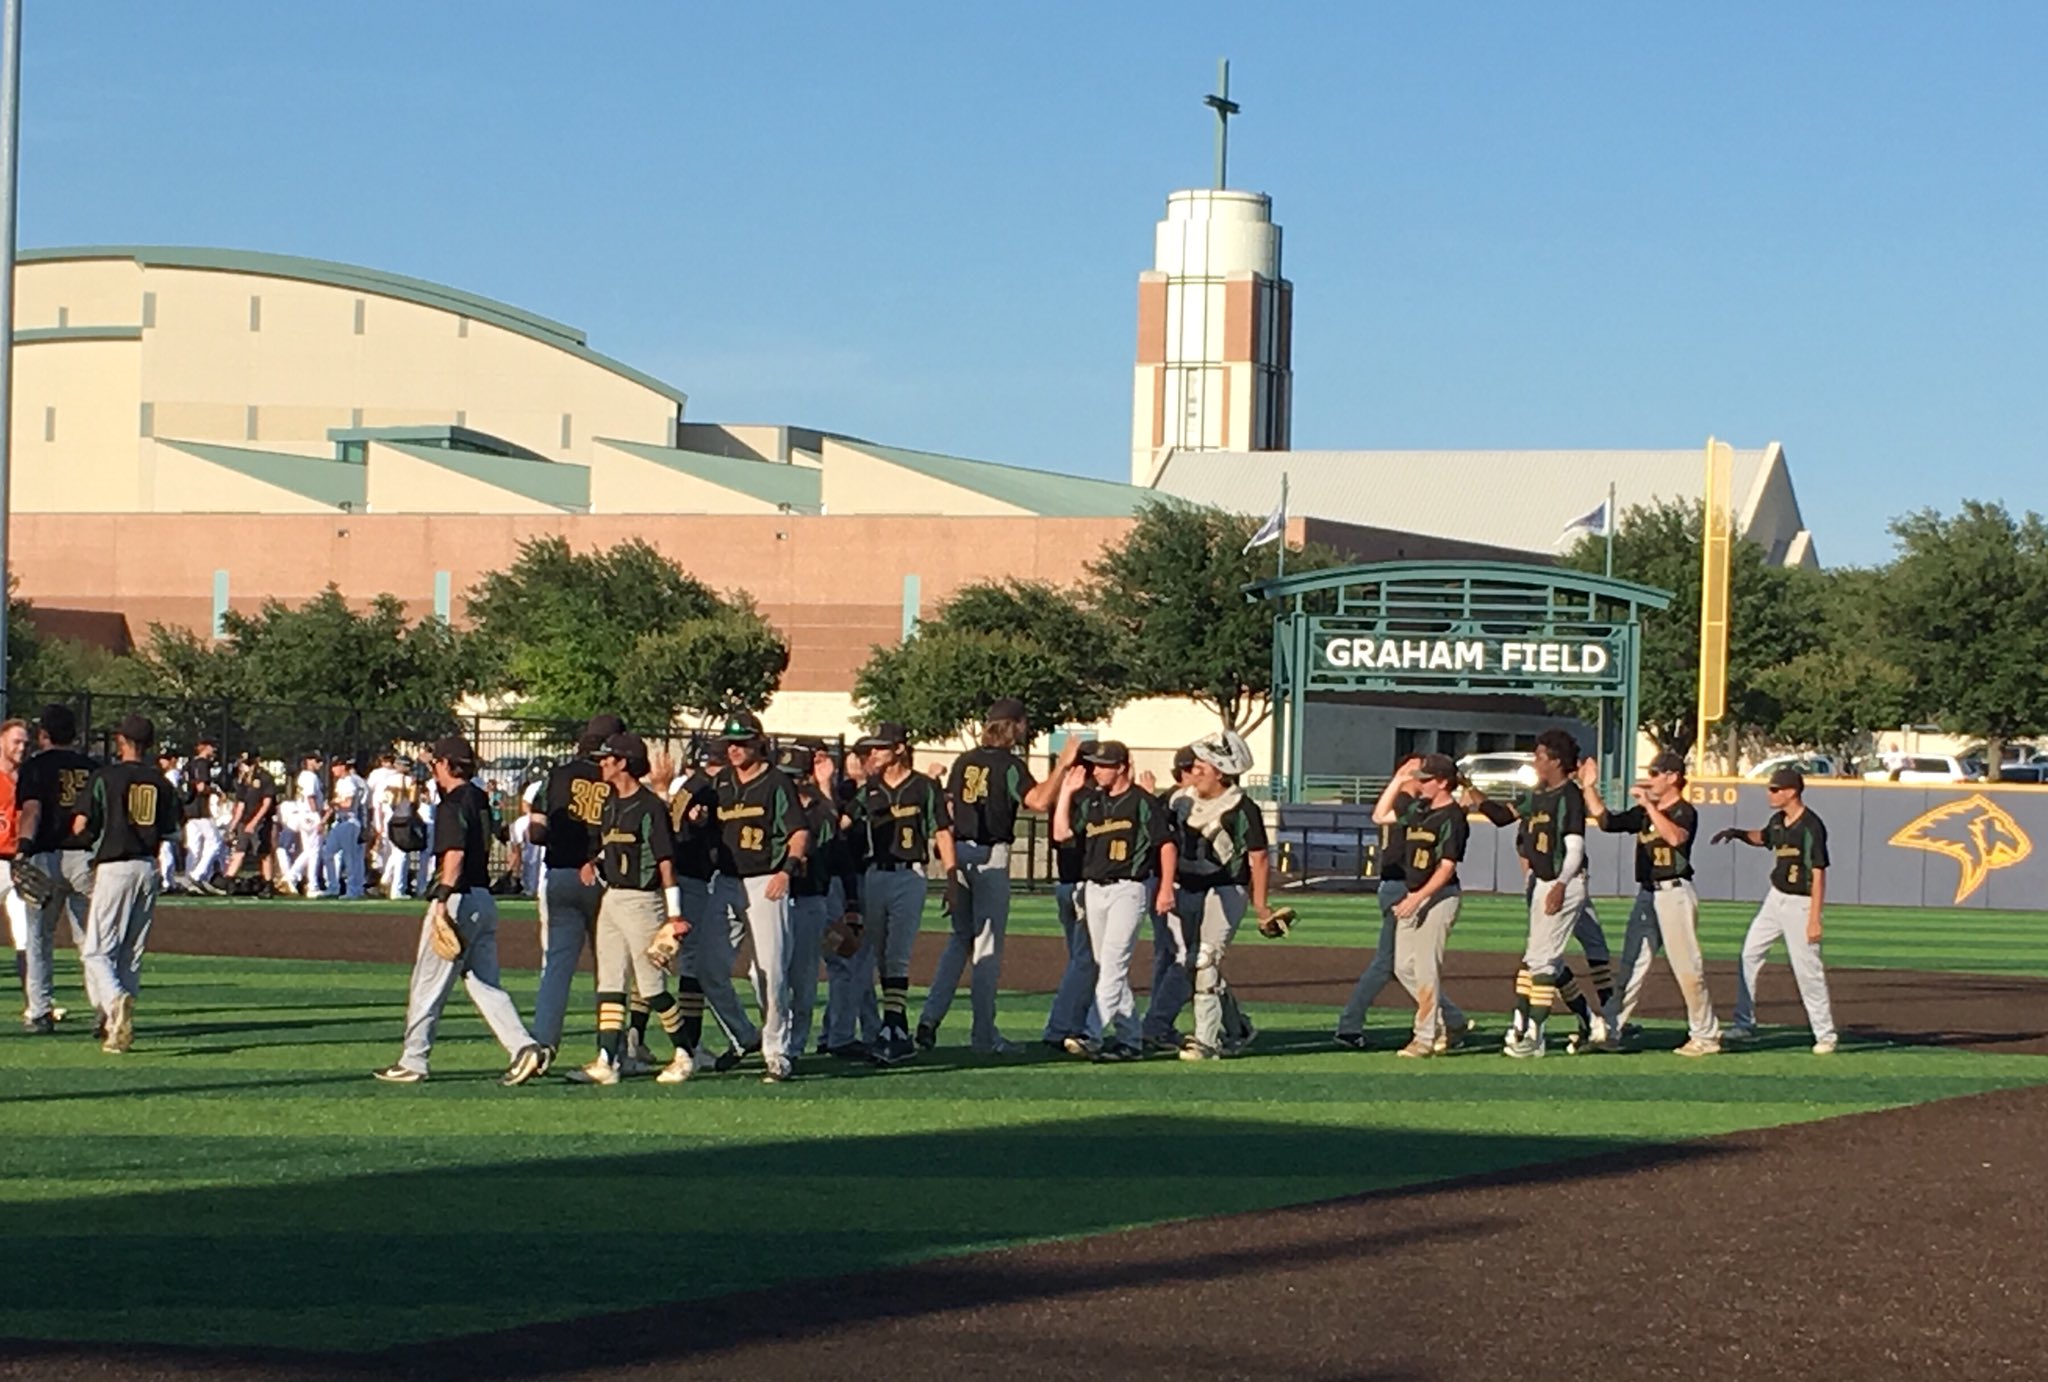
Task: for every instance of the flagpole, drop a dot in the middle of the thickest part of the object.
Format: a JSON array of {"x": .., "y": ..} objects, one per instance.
[
  {"x": 1609, "y": 525},
  {"x": 1283, "y": 523}
]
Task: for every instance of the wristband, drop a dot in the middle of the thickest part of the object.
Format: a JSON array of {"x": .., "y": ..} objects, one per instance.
[
  {"x": 672, "y": 898},
  {"x": 441, "y": 892}
]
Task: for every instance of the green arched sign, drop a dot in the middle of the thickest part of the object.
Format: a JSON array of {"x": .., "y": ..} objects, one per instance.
[{"x": 1458, "y": 627}]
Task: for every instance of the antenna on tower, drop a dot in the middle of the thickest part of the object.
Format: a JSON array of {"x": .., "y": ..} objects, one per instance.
[{"x": 1224, "y": 107}]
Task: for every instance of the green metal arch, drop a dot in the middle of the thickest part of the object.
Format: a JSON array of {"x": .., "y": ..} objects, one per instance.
[{"x": 1531, "y": 577}]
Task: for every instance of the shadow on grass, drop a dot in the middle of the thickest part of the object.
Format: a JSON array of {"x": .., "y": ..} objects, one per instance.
[{"x": 514, "y": 1268}]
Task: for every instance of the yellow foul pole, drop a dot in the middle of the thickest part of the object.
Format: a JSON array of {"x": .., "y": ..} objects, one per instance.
[{"x": 1717, "y": 532}]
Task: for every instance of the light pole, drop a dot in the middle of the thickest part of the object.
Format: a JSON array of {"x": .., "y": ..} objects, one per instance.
[{"x": 10, "y": 163}]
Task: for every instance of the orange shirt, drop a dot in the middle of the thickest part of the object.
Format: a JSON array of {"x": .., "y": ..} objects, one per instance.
[{"x": 10, "y": 818}]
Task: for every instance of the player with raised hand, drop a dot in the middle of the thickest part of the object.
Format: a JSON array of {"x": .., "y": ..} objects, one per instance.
[
  {"x": 1553, "y": 842},
  {"x": 1434, "y": 832},
  {"x": 1798, "y": 841},
  {"x": 1223, "y": 868}
]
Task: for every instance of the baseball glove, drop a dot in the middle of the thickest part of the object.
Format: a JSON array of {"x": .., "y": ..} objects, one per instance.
[
  {"x": 32, "y": 883},
  {"x": 1276, "y": 926},
  {"x": 447, "y": 941},
  {"x": 842, "y": 937},
  {"x": 664, "y": 948}
]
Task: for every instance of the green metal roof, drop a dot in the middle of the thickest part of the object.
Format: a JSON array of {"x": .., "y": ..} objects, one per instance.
[
  {"x": 432, "y": 433},
  {"x": 30, "y": 335},
  {"x": 319, "y": 478},
  {"x": 771, "y": 482},
  {"x": 1036, "y": 491},
  {"x": 565, "y": 486},
  {"x": 361, "y": 279}
]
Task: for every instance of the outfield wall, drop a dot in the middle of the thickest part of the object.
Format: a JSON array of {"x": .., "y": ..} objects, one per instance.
[{"x": 1969, "y": 845}]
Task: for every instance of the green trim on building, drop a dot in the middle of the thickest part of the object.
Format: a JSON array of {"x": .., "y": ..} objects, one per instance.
[
  {"x": 799, "y": 488},
  {"x": 1040, "y": 492},
  {"x": 366, "y": 280},
  {"x": 442, "y": 434},
  {"x": 319, "y": 478},
  {"x": 35, "y": 335},
  {"x": 565, "y": 486}
]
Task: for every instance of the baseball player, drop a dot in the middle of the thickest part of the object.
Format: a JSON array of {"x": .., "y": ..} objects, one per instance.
[
  {"x": 853, "y": 1017},
  {"x": 1070, "y": 1025},
  {"x": 13, "y": 747},
  {"x": 167, "y": 873},
  {"x": 128, "y": 811},
  {"x": 1666, "y": 908},
  {"x": 1172, "y": 948},
  {"x": 310, "y": 793},
  {"x": 564, "y": 820},
  {"x": 708, "y": 949},
  {"x": 819, "y": 893},
  {"x": 1223, "y": 865},
  {"x": 1390, "y": 811},
  {"x": 201, "y": 791},
  {"x": 987, "y": 787},
  {"x": 341, "y": 841},
  {"x": 1125, "y": 841},
  {"x": 459, "y": 934},
  {"x": 905, "y": 816},
  {"x": 254, "y": 824},
  {"x": 50, "y": 792},
  {"x": 762, "y": 845},
  {"x": 640, "y": 926},
  {"x": 1798, "y": 841},
  {"x": 1553, "y": 844},
  {"x": 1434, "y": 832}
]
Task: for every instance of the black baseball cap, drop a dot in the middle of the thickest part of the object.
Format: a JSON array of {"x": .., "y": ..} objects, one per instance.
[
  {"x": 138, "y": 730},
  {"x": 794, "y": 758},
  {"x": 1105, "y": 753},
  {"x": 1787, "y": 779},
  {"x": 1437, "y": 767},
  {"x": 630, "y": 747},
  {"x": 1668, "y": 762},
  {"x": 1006, "y": 708},
  {"x": 886, "y": 735},
  {"x": 1183, "y": 759},
  {"x": 742, "y": 727},
  {"x": 707, "y": 751},
  {"x": 455, "y": 751}
]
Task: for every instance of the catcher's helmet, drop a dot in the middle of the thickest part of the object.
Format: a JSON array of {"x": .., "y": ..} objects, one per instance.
[{"x": 1226, "y": 752}]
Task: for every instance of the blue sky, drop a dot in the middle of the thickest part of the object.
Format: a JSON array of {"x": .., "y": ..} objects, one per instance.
[{"x": 1508, "y": 225}]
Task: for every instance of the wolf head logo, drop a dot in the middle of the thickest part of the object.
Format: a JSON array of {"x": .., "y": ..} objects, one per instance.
[{"x": 1975, "y": 832}]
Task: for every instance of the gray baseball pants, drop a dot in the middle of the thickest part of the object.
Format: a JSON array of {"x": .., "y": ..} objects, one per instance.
[
  {"x": 1419, "y": 960},
  {"x": 851, "y": 1009},
  {"x": 707, "y": 957},
  {"x": 1550, "y": 933},
  {"x": 474, "y": 914},
  {"x": 628, "y": 919},
  {"x": 1073, "y": 1003},
  {"x": 1115, "y": 912},
  {"x": 71, "y": 871},
  {"x": 808, "y": 918},
  {"x": 979, "y": 922},
  {"x": 892, "y": 903},
  {"x": 1783, "y": 915},
  {"x": 768, "y": 925},
  {"x": 1351, "y": 1022},
  {"x": 117, "y": 929},
  {"x": 568, "y": 917}
]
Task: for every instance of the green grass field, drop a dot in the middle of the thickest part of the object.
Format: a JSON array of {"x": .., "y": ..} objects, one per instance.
[{"x": 255, "y": 1187}]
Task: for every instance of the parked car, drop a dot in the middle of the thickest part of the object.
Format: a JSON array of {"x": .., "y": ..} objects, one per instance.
[
  {"x": 1811, "y": 764},
  {"x": 2024, "y": 774},
  {"x": 1499, "y": 774},
  {"x": 1920, "y": 767}
]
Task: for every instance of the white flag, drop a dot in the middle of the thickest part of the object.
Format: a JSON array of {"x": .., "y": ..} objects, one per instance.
[
  {"x": 1272, "y": 529},
  {"x": 1594, "y": 523}
]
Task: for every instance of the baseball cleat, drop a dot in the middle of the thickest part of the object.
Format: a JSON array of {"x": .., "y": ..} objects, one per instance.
[
  {"x": 120, "y": 1024},
  {"x": 852, "y": 1050},
  {"x": 399, "y": 1074},
  {"x": 728, "y": 1059},
  {"x": 1118, "y": 1054},
  {"x": 1824, "y": 1047},
  {"x": 1696, "y": 1047},
  {"x": 777, "y": 1072},
  {"x": 1079, "y": 1046},
  {"x": 1418, "y": 1050},
  {"x": 599, "y": 1071},
  {"x": 1192, "y": 1050},
  {"x": 1250, "y": 1034},
  {"x": 927, "y": 1036},
  {"x": 547, "y": 1060},
  {"x": 680, "y": 1067},
  {"x": 1736, "y": 1034},
  {"x": 39, "y": 1026},
  {"x": 1351, "y": 1041},
  {"x": 1171, "y": 1041},
  {"x": 59, "y": 1014},
  {"x": 1001, "y": 1046},
  {"x": 530, "y": 1061},
  {"x": 1524, "y": 1046}
]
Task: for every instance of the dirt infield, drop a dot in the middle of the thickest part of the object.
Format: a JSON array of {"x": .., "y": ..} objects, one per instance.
[
  {"x": 1982, "y": 1012},
  {"x": 1889, "y": 1245}
]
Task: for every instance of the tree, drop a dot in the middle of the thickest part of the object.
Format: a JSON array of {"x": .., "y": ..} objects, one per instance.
[
  {"x": 325, "y": 653},
  {"x": 555, "y": 627},
  {"x": 1027, "y": 639},
  {"x": 731, "y": 660},
  {"x": 1773, "y": 617},
  {"x": 1174, "y": 592},
  {"x": 1968, "y": 620},
  {"x": 1833, "y": 699}
]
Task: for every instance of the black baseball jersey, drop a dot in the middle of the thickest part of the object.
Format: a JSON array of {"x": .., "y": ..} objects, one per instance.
[
  {"x": 1066, "y": 857},
  {"x": 1553, "y": 816},
  {"x": 1239, "y": 831},
  {"x": 901, "y": 819},
  {"x": 1393, "y": 837},
  {"x": 260, "y": 787},
  {"x": 1657, "y": 860},
  {"x": 987, "y": 789},
  {"x": 1430, "y": 835},
  {"x": 633, "y": 840},
  {"x": 463, "y": 824},
  {"x": 129, "y": 810},
  {"x": 1801, "y": 849},
  {"x": 755, "y": 820},
  {"x": 197, "y": 788},
  {"x": 574, "y": 798},
  {"x": 57, "y": 779},
  {"x": 1120, "y": 835},
  {"x": 696, "y": 854},
  {"x": 831, "y": 854}
]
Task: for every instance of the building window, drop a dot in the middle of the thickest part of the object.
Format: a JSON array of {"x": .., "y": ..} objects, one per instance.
[
  {"x": 49, "y": 424},
  {"x": 250, "y": 433},
  {"x": 567, "y": 431},
  {"x": 148, "y": 421},
  {"x": 462, "y": 326},
  {"x": 355, "y": 452},
  {"x": 255, "y": 313},
  {"x": 148, "y": 312},
  {"x": 360, "y": 312},
  {"x": 63, "y": 316}
]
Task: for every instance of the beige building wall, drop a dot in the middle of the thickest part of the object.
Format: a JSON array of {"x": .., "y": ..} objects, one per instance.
[
  {"x": 76, "y": 444},
  {"x": 621, "y": 482},
  {"x": 186, "y": 483},
  {"x": 856, "y": 482},
  {"x": 78, "y": 293},
  {"x": 399, "y": 483}
]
